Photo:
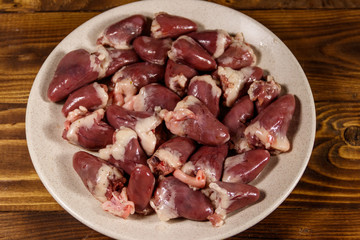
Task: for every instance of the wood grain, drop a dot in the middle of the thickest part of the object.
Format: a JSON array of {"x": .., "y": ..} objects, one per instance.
[
  {"x": 332, "y": 177},
  {"x": 12, "y": 121},
  {"x": 20, "y": 186},
  {"x": 281, "y": 224},
  {"x": 44, "y": 225},
  {"x": 306, "y": 224},
  {"x": 93, "y": 5},
  {"x": 285, "y": 4}
]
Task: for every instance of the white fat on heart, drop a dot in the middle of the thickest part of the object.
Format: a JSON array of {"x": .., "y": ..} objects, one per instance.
[
  {"x": 170, "y": 156},
  {"x": 215, "y": 90},
  {"x": 155, "y": 29},
  {"x": 220, "y": 43},
  {"x": 175, "y": 119},
  {"x": 177, "y": 115},
  {"x": 177, "y": 82},
  {"x": 229, "y": 163},
  {"x": 240, "y": 144},
  {"x": 144, "y": 128},
  {"x": 104, "y": 176},
  {"x": 115, "y": 54},
  {"x": 247, "y": 71},
  {"x": 122, "y": 44},
  {"x": 227, "y": 60},
  {"x": 232, "y": 82},
  {"x": 85, "y": 122},
  {"x": 275, "y": 87},
  {"x": 209, "y": 173},
  {"x": 129, "y": 104},
  {"x": 248, "y": 48},
  {"x": 240, "y": 40},
  {"x": 174, "y": 52},
  {"x": 94, "y": 64},
  {"x": 139, "y": 100},
  {"x": 188, "y": 168},
  {"x": 118, "y": 76},
  {"x": 100, "y": 62},
  {"x": 234, "y": 160},
  {"x": 252, "y": 88},
  {"x": 75, "y": 114},
  {"x": 105, "y": 60},
  {"x": 117, "y": 43},
  {"x": 219, "y": 198},
  {"x": 119, "y": 205},
  {"x": 123, "y": 136},
  {"x": 124, "y": 90},
  {"x": 268, "y": 139},
  {"x": 166, "y": 210},
  {"x": 101, "y": 94},
  {"x": 187, "y": 102}
]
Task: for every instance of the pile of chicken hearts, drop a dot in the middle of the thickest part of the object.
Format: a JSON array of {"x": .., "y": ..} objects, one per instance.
[{"x": 177, "y": 120}]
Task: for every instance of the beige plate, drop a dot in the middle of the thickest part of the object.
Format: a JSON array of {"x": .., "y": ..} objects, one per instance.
[{"x": 52, "y": 156}]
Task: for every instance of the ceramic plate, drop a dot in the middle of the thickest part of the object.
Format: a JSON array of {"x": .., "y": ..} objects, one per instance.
[{"x": 52, "y": 156}]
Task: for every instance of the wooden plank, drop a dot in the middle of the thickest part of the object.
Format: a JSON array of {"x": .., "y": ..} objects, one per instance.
[
  {"x": 334, "y": 119},
  {"x": 44, "y": 225},
  {"x": 11, "y": 113},
  {"x": 15, "y": 161},
  {"x": 12, "y": 130},
  {"x": 284, "y": 4},
  {"x": 20, "y": 186},
  {"x": 332, "y": 177},
  {"x": 301, "y": 224},
  {"x": 326, "y": 43},
  {"x": 69, "y": 5},
  {"x": 25, "y": 195},
  {"x": 12, "y": 123},
  {"x": 93, "y": 5},
  {"x": 281, "y": 224}
]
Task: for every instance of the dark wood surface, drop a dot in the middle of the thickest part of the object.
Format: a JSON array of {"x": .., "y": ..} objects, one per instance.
[{"x": 323, "y": 35}]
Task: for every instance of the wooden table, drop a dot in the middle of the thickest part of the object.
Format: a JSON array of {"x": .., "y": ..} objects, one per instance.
[{"x": 323, "y": 35}]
